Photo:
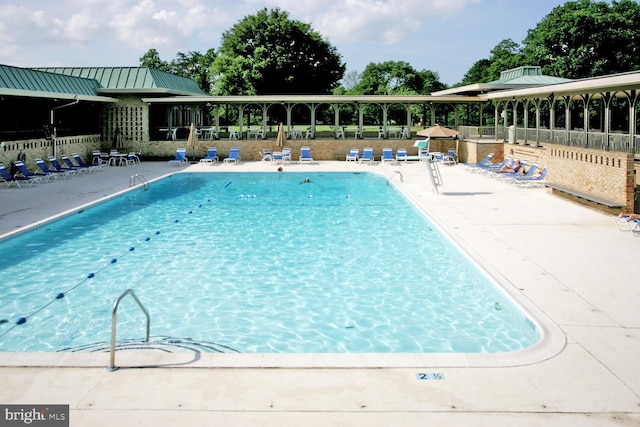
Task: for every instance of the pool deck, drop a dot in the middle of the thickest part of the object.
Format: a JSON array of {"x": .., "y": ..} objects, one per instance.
[{"x": 568, "y": 263}]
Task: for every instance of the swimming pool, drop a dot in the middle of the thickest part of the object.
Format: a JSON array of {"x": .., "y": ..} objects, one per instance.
[{"x": 256, "y": 262}]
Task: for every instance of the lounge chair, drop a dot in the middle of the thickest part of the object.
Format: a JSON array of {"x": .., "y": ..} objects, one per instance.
[
  {"x": 367, "y": 155},
  {"x": 132, "y": 158},
  {"x": 266, "y": 156},
  {"x": 9, "y": 179},
  {"x": 353, "y": 155},
  {"x": 234, "y": 155},
  {"x": 449, "y": 158},
  {"x": 180, "y": 159},
  {"x": 212, "y": 156},
  {"x": 625, "y": 223},
  {"x": 494, "y": 167},
  {"x": 278, "y": 157},
  {"x": 401, "y": 155},
  {"x": 387, "y": 155},
  {"x": 84, "y": 168},
  {"x": 24, "y": 172},
  {"x": 58, "y": 167},
  {"x": 286, "y": 155},
  {"x": 69, "y": 165},
  {"x": 531, "y": 179},
  {"x": 82, "y": 164},
  {"x": 474, "y": 167},
  {"x": 305, "y": 155},
  {"x": 49, "y": 172}
]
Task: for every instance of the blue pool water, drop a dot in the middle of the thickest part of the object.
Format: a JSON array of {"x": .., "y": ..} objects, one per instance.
[{"x": 255, "y": 262}]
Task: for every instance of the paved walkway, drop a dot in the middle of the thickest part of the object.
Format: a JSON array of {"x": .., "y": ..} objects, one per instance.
[{"x": 567, "y": 262}]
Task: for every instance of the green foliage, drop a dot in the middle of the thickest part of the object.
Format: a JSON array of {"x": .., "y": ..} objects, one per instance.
[
  {"x": 395, "y": 78},
  {"x": 579, "y": 39},
  {"x": 268, "y": 53},
  {"x": 585, "y": 39},
  {"x": 152, "y": 59},
  {"x": 193, "y": 65}
]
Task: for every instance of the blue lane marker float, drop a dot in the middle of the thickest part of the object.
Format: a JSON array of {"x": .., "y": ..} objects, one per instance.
[{"x": 60, "y": 295}]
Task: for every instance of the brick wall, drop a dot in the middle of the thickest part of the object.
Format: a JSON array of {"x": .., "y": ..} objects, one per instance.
[
  {"x": 42, "y": 148},
  {"x": 604, "y": 174}
]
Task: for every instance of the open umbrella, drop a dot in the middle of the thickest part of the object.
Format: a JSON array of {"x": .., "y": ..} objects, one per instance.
[
  {"x": 280, "y": 137},
  {"x": 193, "y": 139},
  {"x": 438, "y": 131}
]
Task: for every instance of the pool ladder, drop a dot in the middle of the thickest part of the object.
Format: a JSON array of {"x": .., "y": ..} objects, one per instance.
[
  {"x": 138, "y": 177},
  {"x": 114, "y": 313},
  {"x": 434, "y": 174}
]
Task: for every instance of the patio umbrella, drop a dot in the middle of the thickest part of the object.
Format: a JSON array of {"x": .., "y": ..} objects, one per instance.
[
  {"x": 115, "y": 144},
  {"x": 438, "y": 131},
  {"x": 280, "y": 137},
  {"x": 193, "y": 139}
]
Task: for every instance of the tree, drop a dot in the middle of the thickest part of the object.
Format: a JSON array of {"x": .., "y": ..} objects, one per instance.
[
  {"x": 152, "y": 59},
  {"x": 192, "y": 65},
  {"x": 268, "y": 53},
  {"x": 478, "y": 73},
  {"x": 585, "y": 39},
  {"x": 396, "y": 78},
  {"x": 195, "y": 66}
]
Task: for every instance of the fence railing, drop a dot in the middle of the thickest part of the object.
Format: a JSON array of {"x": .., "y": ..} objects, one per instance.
[{"x": 576, "y": 138}]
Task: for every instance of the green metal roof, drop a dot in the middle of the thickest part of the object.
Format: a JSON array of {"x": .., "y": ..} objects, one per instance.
[
  {"x": 132, "y": 79},
  {"x": 24, "y": 79},
  {"x": 527, "y": 75}
]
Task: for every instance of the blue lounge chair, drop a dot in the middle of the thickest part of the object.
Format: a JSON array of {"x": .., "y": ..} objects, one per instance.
[
  {"x": 277, "y": 157},
  {"x": 474, "y": 167},
  {"x": 132, "y": 158},
  {"x": 9, "y": 179},
  {"x": 305, "y": 155},
  {"x": 67, "y": 161},
  {"x": 286, "y": 155},
  {"x": 49, "y": 172},
  {"x": 82, "y": 164},
  {"x": 449, "y": 158},
  {"x": 266, "y": 155},
  {"x": 532, "y": 181},
  {"x": 401, "y": 155},
  {"x": 353, "y": 155},
  {"x": 234, "y": 155},
  {"x": 387, "y": 155},
  {"x": 212, "y": 155},
  {"x": 58, "y": 167},
  {"x": 24, "y": 172},
  {"x": 494, "y": 167},
  {"x": 513, "y": 178},
  {"x": 181, "y": 157},
  {"x": 367, "y": 155}
]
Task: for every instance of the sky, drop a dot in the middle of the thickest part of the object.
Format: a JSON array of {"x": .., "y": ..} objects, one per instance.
[{"x": 444, "y": 36}]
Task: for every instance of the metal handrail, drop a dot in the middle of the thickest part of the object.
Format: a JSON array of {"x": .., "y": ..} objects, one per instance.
[
  {"x": 112, "y": 360},
  {"x": 142, "y": 179}
]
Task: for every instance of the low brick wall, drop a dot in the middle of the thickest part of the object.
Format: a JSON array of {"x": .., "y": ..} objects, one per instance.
[
  {"x": 603, "y": 174},
  {"x": 42, "y": 148},
  {"x": 321, "y": 149}
]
